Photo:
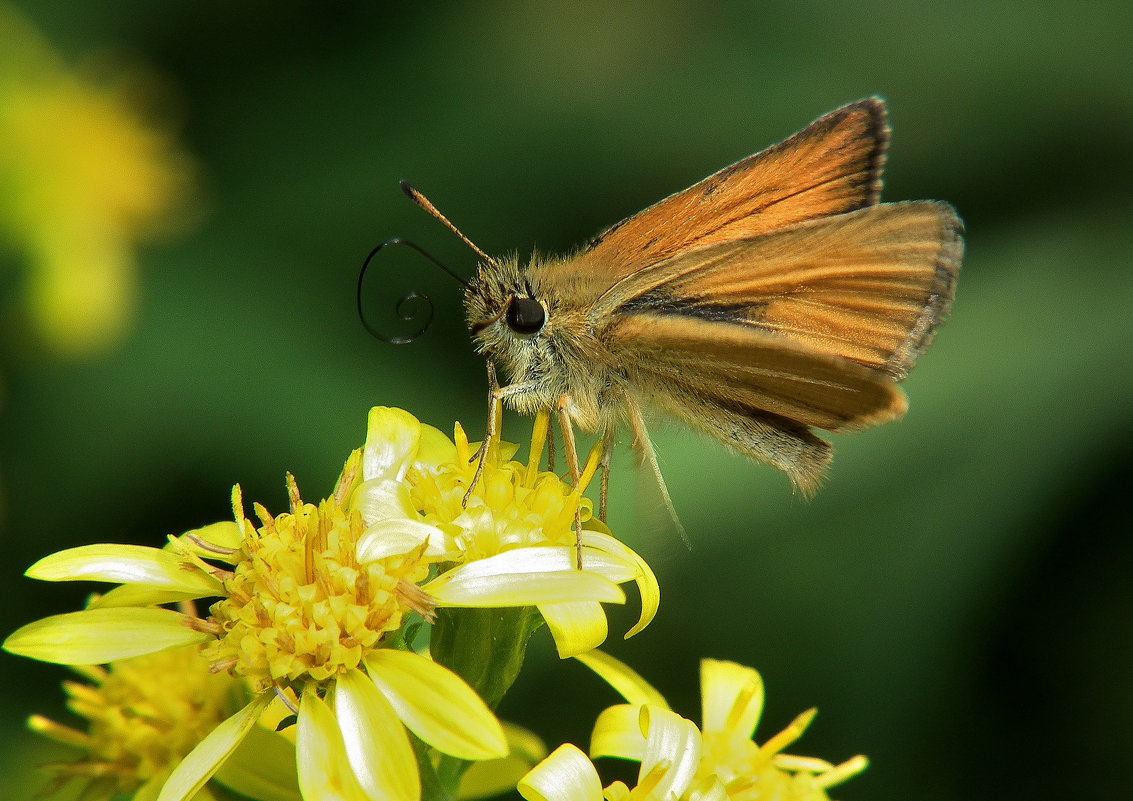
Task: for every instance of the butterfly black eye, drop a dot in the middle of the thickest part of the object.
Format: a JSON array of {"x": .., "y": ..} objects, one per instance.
[{"x": 525, "y": 316}]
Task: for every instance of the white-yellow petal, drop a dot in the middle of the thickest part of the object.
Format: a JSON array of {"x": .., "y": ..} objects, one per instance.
[
  {"x": 671, "y": 739},
  {"x": 577, "y": 626},
  {"x": 391, "y": 443},
  {"x": 375, "y": 740},
  {"x": 708, "y": 788},
  {"x": 125, "y": 564},
  {"x": 98, "y": 636},
  {"x": 566, "y": 775},
  {"x": 323, "y": 767},
  {"x": 202, "y": 762},
  {"x": 624, "y": 679},
  {"x": 731, "y": 698},
  {"x": 617, "y": 733},
  {"x": 434, "y": 449},
  {"x": 395, "y": 537},
  {"x": 437, "y": 705},
  {"x": 522, "y": 577},
  {"x": 612, "y": 564},
  {"x": 383, "y": 499},
  {"x": 139, "y": 595},
  {"x": 224, "y": 535},
  {"x": 493, "y": 777},
  {"x": 647, "y": 585}
]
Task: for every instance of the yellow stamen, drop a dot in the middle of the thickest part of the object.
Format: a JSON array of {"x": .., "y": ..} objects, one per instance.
[
  {"x": 58, "y": 732},
  {"x": 740, "y": 705},
  {"x": 793, "y": 732},
  {"x": 851, "y": 767}
]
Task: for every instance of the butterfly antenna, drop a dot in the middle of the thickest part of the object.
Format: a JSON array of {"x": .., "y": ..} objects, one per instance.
[{"x": 425, "y": 204}]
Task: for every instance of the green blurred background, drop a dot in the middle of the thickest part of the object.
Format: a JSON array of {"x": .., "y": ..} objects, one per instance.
[{"x": 956, "y": 601}]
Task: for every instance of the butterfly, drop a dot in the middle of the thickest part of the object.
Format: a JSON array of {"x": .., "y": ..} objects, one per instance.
[{"x": 773, "y": 298}]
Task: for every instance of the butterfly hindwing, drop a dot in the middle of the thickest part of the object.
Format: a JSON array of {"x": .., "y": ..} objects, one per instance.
[{"x": 868, "y": 286}]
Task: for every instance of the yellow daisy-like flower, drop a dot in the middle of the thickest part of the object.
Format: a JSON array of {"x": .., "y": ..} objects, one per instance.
[
  {"x": 510, "y": 543},
  {"x": 301, "y": 620},
  {"x": 671, "y": 749},
  {"x": 83, "y": 176},
  {"x": 732, "y": 703},
  {"x": 143, "y": 716}
]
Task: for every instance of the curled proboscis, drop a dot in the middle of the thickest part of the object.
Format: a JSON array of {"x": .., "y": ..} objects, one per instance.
[{"x": 407, "y": 307}]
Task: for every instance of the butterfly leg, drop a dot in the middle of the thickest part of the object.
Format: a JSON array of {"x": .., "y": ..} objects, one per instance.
[
  {"x": 567, "y": 427},
  {"x": 496, "y": 396},
  {"x": 607, "y": 453}
]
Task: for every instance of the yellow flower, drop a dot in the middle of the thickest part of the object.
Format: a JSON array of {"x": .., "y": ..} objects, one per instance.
[
  {"x": 304, "y": 623},
  {"x": 315, "y": 605},
  {"x": 671, "y": 752},
  {"x": 732, "y": 702},
  {"x": 143, "y": 716},
  {"x": 511, "y": 542},
  {"x": 83, "y": 177}
]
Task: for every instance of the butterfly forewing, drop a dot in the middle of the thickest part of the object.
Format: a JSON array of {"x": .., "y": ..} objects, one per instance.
[{"x": 830, "y": 167}]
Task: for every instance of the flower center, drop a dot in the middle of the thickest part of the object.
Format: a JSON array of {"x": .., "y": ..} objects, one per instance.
[
  {"x": 512, "y": 505},
  {"x": 299, "y": 604}
]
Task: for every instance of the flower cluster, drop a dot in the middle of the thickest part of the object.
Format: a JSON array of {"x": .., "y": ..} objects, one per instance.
[
  {"x": 719, "y": 760},
  {"x": 355, "y": 647},
  {"x": 318, "y": 607}
]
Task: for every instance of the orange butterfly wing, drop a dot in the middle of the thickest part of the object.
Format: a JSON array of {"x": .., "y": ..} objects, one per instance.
[
  {"x": 868, "y": 286},
  {"x": 830, "y": 167},
  {"x": 755, "y": 341}
]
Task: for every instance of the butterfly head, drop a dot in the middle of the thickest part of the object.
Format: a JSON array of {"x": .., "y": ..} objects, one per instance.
[{"x": 508, "y": 319}]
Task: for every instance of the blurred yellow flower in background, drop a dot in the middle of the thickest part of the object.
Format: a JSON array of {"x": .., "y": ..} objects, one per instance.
[{"x": 84, "y": 176}]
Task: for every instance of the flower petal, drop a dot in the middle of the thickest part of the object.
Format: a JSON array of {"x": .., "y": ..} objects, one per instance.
[
  {"x": 139, "y": 595},
  {"x": 225, "y": 534},
  {"x": 524, "y": 576},
  {"x": 646, "y": 580},
  {"x": 577, "y": 626},
  {"x": 263, "y": 766},
  {"x": 125, "y": 564},
  {"x": 382, "y": 499},
  {"x": 202, "y": 762},
  {"x": 566, "y": 775},
  {"x": 434, "y": 449},
  {"x": 376, "y": 743},
  {"x": 391, "y": 443},
  {"x": 731, "y": 698},
  {"x": 493, "y": 777},
  {"x": 672, "y": 739},
  {"x": 394, "y": 537},
  {"x": 707, "y": 788},
  {"x": 627, "y": 681},
  {"x": 97, "y": 636},
  {"x": 323, "y": 767},
  {"x": 617, "y": 733},
  {"x": 437, "y": 705}
]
